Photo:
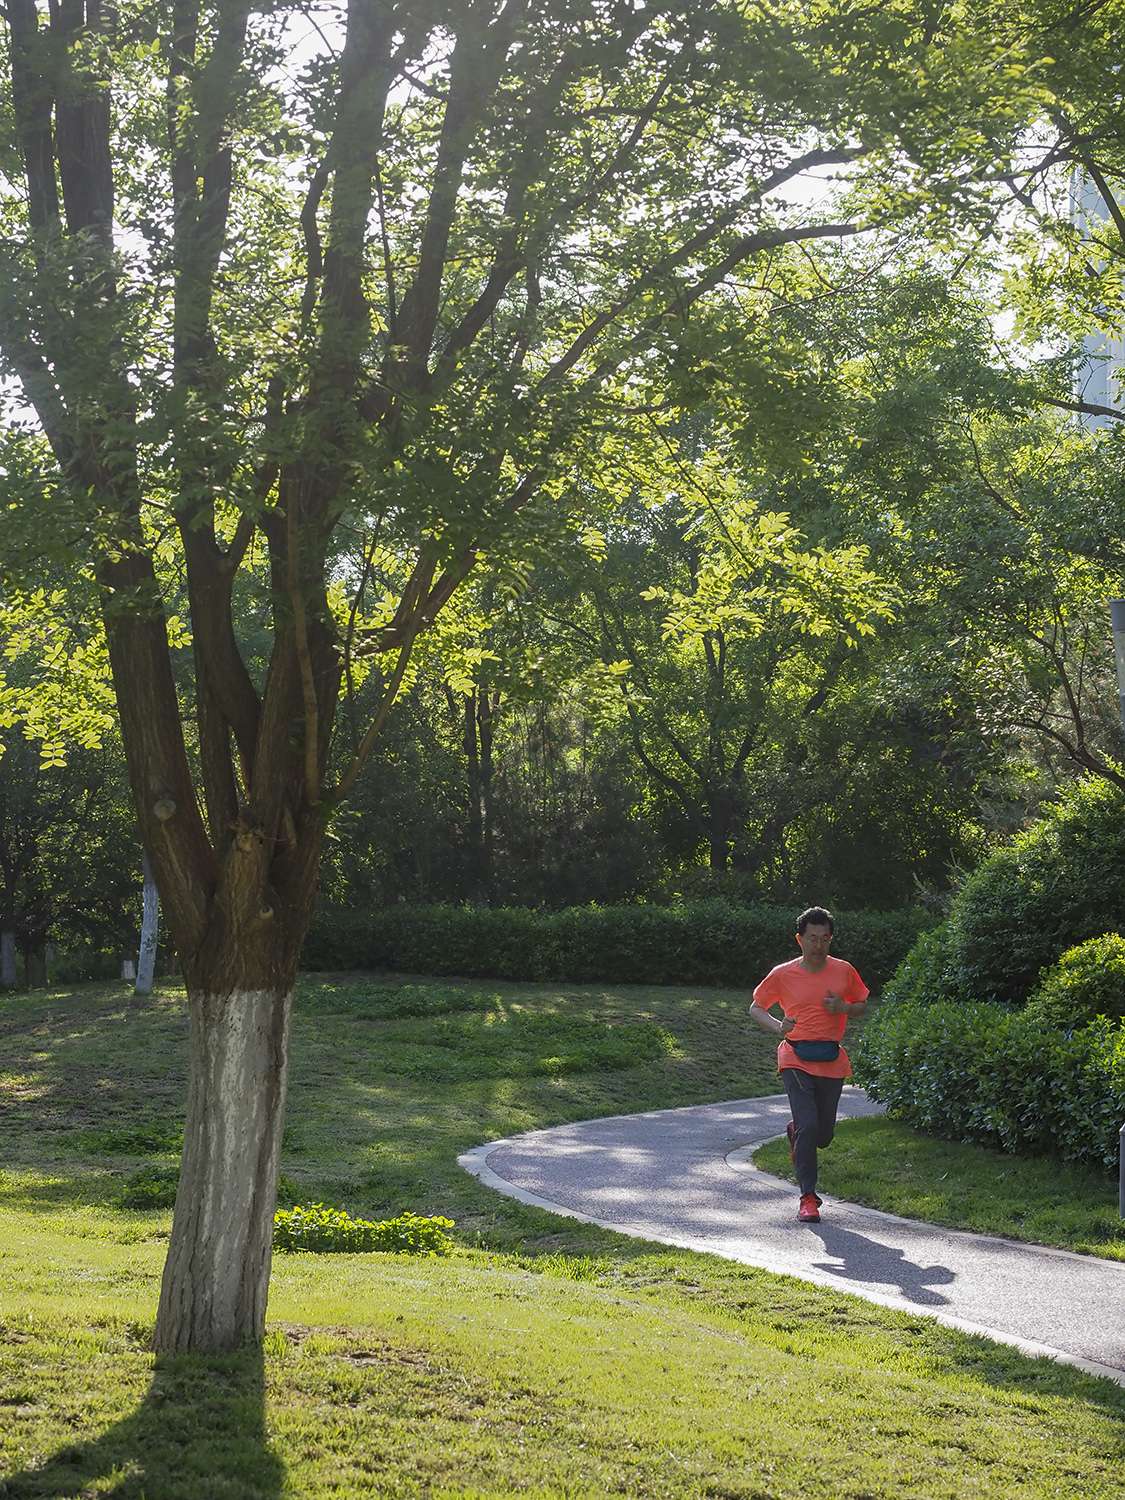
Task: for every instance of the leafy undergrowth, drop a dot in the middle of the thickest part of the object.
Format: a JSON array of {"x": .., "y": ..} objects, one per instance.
[
  {"x": 319, "y": 1229},
  {"x": 887, "y": 1165},
  {"x": 543, "y": 1357}
]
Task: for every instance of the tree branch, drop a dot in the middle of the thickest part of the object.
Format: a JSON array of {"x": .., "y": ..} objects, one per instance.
[
  {"x": 82, "y": 130},
  {"x": 1090, "y": 408},
  {"x": 301, "y": 639},
  {"x": 474, "y": 72},
  {"x": 747, "y": 245},
  {"x": 33, "y": 101},
  {"x": 509, "y": 260}
]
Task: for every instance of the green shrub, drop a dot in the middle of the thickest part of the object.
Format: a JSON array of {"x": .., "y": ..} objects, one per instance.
[
  {"x": 924, "y": 974},
  {"x": 1087, "y": 981},
  {"x": 152, "y": 1187},
  {"x": 287, "y": 1191},
  {"x": 320, "y": 1228},
  {"x": 703, "y": 942},
  {"x": 1057, "y": 884},
  {"x": 1000, "y": 1077}
]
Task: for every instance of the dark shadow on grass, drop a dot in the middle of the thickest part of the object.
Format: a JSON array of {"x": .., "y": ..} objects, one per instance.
[{"x": 200, "y": 1431}]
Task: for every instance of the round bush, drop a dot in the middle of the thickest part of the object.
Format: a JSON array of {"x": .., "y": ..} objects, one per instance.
[
  {"x": 1087, "y": 981},
  {"x": 1057, "y": 884}
]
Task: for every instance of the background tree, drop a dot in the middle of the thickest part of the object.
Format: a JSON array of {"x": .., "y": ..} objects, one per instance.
[{"x": 69, "y": 862}]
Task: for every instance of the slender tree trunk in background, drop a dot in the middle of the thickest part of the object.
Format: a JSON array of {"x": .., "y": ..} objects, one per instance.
[
  {"x": 8, "y": 975},
  {"x": 479, "y": 711},
  {"x": 475, "y": 830},
  {"x": 487, "y": 709},
  {"x": 150, "y": 931},
  {"x": 35, "y": 964}
]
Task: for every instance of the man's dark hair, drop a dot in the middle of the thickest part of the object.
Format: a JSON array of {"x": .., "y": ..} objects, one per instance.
[{"x": 818, "y": 916}]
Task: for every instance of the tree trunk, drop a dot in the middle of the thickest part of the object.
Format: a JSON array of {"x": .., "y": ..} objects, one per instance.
[
  {"x": 8, "y": 976},
  {"x": 486, "y": 718},
  {"x": 36, "y": 966},
  {"x": 480, "y": 708},
  {"x": 476, "y": 872},
  {"x": 216, "y": 1277},
  {"x": 720, "y": 817},
  {"x": 150, "y": 931}
]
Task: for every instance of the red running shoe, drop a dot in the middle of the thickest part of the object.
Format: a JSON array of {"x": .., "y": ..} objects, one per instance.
[
  {"x": 791, "y": 1132},
  {"x": 809, "y": 1211}
]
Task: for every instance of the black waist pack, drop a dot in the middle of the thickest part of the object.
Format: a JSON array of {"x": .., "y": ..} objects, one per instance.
[{"x": 816, "y": 1051}]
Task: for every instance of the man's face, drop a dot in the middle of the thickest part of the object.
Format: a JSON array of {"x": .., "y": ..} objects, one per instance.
[{"x": 814, "y": 943}]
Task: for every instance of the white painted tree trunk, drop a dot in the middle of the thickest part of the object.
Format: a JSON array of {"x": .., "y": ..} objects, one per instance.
[
  {"x": 150, "y": 931},
  {"x": 8, "y": 976},
  {"x": 216, "y": 1277}
]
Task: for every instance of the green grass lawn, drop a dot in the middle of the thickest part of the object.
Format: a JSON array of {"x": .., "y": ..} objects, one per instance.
[
  {"x": 892, "y": 1167},
  {"x": 544, "y": 1358}
]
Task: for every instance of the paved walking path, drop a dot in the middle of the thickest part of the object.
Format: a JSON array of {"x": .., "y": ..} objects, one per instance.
[{"x": 684, "y": 1177}]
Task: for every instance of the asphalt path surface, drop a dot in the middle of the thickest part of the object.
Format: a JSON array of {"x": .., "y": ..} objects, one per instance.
[{"x": 684, "y": 1177}]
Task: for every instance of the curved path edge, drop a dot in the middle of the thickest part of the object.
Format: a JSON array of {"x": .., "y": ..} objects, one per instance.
[{"x": 520, "y": 1167}]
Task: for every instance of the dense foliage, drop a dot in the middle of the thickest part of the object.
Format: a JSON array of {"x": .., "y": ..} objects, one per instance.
[
  {"x": 1006, "y": 1024},
  {"x": 153, "y": 1186}
]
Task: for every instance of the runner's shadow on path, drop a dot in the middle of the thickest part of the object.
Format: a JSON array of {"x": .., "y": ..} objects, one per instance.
[
  {"x": 868, "y": 1261},
  {"x": 200, "y": 1431}
]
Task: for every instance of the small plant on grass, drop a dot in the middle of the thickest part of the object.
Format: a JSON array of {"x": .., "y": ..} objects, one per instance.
[
  {"x": 152, "y": 1187},
  {"x": 287, "y": 1191},
  {"x": 315, "y": 1226}
]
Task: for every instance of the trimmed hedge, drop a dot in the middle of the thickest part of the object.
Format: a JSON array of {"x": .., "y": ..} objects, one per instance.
[
  {"x": 982, "y": 1072},
  {"x": 704, "y": 942}
]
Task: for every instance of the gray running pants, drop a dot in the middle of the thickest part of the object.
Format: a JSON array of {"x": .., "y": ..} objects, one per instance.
[{"x": 813, "y": 1102}]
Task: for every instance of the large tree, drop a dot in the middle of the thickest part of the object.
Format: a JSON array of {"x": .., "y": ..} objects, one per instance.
[{"x": 287, "y": 308}]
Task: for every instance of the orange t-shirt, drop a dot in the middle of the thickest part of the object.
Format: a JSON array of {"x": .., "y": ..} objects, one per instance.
[{"x": 801, "y": 995}]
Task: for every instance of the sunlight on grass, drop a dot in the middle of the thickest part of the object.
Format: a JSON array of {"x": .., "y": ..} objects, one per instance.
[{"x": 545, "y": 1357}]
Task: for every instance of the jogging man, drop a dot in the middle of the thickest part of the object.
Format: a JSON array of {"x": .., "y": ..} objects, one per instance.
[{"x": 817, "y": 994}]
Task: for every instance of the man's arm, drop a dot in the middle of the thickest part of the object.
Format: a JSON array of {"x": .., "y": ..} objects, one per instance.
[
  {"x": 835, "y": 1006},
  {"x": 765, "y": 1022}
]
